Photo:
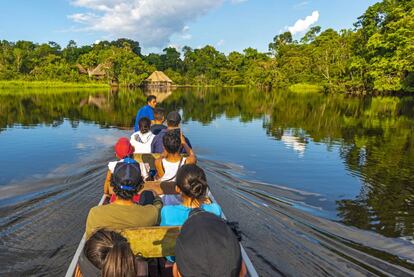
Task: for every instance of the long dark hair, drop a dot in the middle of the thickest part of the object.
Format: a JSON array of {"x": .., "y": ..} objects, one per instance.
[
  {"x": 111, "y": 253},
  {"x": 144, "y": 125},
  {"x": 192, "y": 181}
]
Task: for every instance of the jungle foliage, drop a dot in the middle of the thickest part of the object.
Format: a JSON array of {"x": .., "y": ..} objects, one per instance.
[{"x": 376, "y": 57}]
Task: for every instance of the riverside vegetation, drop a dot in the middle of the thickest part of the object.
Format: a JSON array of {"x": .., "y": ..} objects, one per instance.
[{"x": 376, "y": 57}]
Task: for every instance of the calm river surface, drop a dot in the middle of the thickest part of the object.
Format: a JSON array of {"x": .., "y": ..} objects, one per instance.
[{"x": 320, "y": 184}]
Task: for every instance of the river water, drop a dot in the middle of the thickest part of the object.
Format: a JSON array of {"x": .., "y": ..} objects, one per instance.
[{"x": 320, "y": 184}]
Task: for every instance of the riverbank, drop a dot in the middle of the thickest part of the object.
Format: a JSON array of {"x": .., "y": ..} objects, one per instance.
[{"x": 13, "y": 84}]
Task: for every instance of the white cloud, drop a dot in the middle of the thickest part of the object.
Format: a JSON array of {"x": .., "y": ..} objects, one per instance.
[
  {"x": 237, "y": 1},
  {"x": 220, "y": 42},
  {"x": 151, "y": 22},
  {"x": 302, "y": 25}
]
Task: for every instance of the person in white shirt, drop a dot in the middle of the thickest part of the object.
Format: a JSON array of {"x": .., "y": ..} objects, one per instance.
[{"x": 142, "y": 139}]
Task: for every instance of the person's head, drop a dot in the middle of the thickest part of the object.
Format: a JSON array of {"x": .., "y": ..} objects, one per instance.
[
  {"x": 123, "y": 148},
  {"x": 172, "y": 141},
  {"x": 192, "y": 182},
  {"x": 159, "y": 115},
  {"x": 152, "y": 101},
  {"x": 206, "y": 246},
  {"x": 110, "y": 252},
  {"x": 144, "y": 125},
  {"x": 173, "y": 119},
  {"x": 126, "y": 180}
]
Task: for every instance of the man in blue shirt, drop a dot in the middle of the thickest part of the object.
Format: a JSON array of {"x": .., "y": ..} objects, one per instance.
[
  {"x": 146, "y": 111},
  {"x": 173, "y": 122}
]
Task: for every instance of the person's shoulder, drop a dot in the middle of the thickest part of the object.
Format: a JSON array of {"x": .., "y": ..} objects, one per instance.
[
  {"x": 111, "y": 166},
  {"x": 213, "y": 208}
]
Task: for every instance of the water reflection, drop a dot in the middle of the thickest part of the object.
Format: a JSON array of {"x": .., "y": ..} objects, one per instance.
[{"x": 374, "y": 135}]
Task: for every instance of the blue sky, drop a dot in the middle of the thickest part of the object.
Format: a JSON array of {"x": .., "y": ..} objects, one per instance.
[{"x": 226, "y": 24}]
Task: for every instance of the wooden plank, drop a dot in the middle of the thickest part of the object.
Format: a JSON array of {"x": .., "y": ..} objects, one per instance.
[
  {"x": 152, "y": 242},
  {"x": 160, "y": 187}
]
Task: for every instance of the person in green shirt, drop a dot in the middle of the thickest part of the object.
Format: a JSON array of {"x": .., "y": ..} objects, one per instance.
[{"x": 123, "y": 212}]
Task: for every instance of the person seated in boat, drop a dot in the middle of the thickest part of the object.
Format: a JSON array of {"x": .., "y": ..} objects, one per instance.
[
  {"x": 146, "y": 111},
  {"x": 173, "y": 123},
  {"x": 123, "y": 150},
  {"x": 159, "y": 118},
  {"x": 123, "y": 213},
  {"x": 107, "y": 254},
  {"x": 193, "y": 188},
  {"x": 171, "y": 160},
  {"x": 207, "y": 246},
  {"x": 141, "y": 140}
]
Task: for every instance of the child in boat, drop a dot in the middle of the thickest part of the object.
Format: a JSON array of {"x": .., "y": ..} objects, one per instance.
[
  {"x": 171, "y": 160},
  {"x": 207, "y": 246},
  {"x": 123, "y": 212},
  {"x": 173, "y": 123},
  {"x": 107, "y": 253},
  {"x": 142, "y": 139},
  {"x": 123, "y": 151},
  {"x": 193, "y": 188},
  {"x": 159, "y": 117}
]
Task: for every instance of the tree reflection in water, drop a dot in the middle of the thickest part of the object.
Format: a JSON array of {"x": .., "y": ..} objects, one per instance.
[{"x": 375, "y": 135}]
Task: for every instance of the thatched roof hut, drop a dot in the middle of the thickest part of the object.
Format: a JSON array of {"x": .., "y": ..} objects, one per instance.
[
  {"x": 158, "y": 76},
  {"x": 158, "y": 79}
]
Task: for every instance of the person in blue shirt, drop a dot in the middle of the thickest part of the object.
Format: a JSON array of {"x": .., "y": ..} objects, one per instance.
[
  {"x": 173, "y": 123},
  {"x": 193, "y": 188},
  {"x": 146, "y": 111}
]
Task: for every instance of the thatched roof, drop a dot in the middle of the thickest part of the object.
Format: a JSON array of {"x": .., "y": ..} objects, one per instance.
[
  {"x": 100, "y": 70},
  {"x": 158, "y": 76}
]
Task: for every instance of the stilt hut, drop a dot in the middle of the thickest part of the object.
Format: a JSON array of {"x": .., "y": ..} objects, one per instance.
[{"x": 158, "y": 80}]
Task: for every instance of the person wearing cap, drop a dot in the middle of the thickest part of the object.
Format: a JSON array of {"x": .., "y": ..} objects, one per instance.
[
  {"x": 207, "y": 246},
  {"x": 123, "y": 150},
  {"x": 173, "y": 122},
  {"x": 146, "y": 111},
  {"x": 123, "y": 212}
]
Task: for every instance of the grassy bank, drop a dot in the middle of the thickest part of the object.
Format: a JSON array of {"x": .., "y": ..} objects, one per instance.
[
  {"x": 48, "y": 84},
  {"x": 304, "y": 88}
]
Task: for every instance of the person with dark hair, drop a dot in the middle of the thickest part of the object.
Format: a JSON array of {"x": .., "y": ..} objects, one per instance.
[
  {"x": 193, "y": 188},
  {"x": 142, "y": 139},
  {"x": 171, "y": 160},
  {"x": 124, "y": 152},
  {"x": 159, "y": 117},
  {"x": 108, "y": 254},
  {"x": 207, "y": 246},
  {"x": 146, "y": 111},
  {"x": 123, "y": 213},
  {"x": 173, "y": 123}
]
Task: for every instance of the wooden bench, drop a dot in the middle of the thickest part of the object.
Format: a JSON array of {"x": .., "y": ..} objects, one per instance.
[{"x": 152, "y": 242}]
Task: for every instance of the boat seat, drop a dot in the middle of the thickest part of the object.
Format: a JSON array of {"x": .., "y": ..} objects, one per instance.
[
  {"x": 152, "y": 242},
  {"x": 160, "y": 187}
]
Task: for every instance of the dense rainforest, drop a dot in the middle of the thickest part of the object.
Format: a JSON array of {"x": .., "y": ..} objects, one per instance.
[{"x": 375, "y": 57}]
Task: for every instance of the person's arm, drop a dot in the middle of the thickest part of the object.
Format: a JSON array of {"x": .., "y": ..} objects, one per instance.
[
  {"x": 107, "y": 185},
  {"x": 191, "y": 159},
  {"x": 158, "y": 167}
]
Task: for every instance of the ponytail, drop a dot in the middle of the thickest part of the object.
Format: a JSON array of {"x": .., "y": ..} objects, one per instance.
[{"x": 192, "y": 181}]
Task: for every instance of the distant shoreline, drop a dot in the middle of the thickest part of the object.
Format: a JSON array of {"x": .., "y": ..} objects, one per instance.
[{"x": 12, "y": 84}]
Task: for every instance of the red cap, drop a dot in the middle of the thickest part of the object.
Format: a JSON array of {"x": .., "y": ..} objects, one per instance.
[{"x": 123, "y": 148}]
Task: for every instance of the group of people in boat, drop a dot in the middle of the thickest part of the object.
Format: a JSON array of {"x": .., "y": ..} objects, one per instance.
[{"x": 206, "y": 245}]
